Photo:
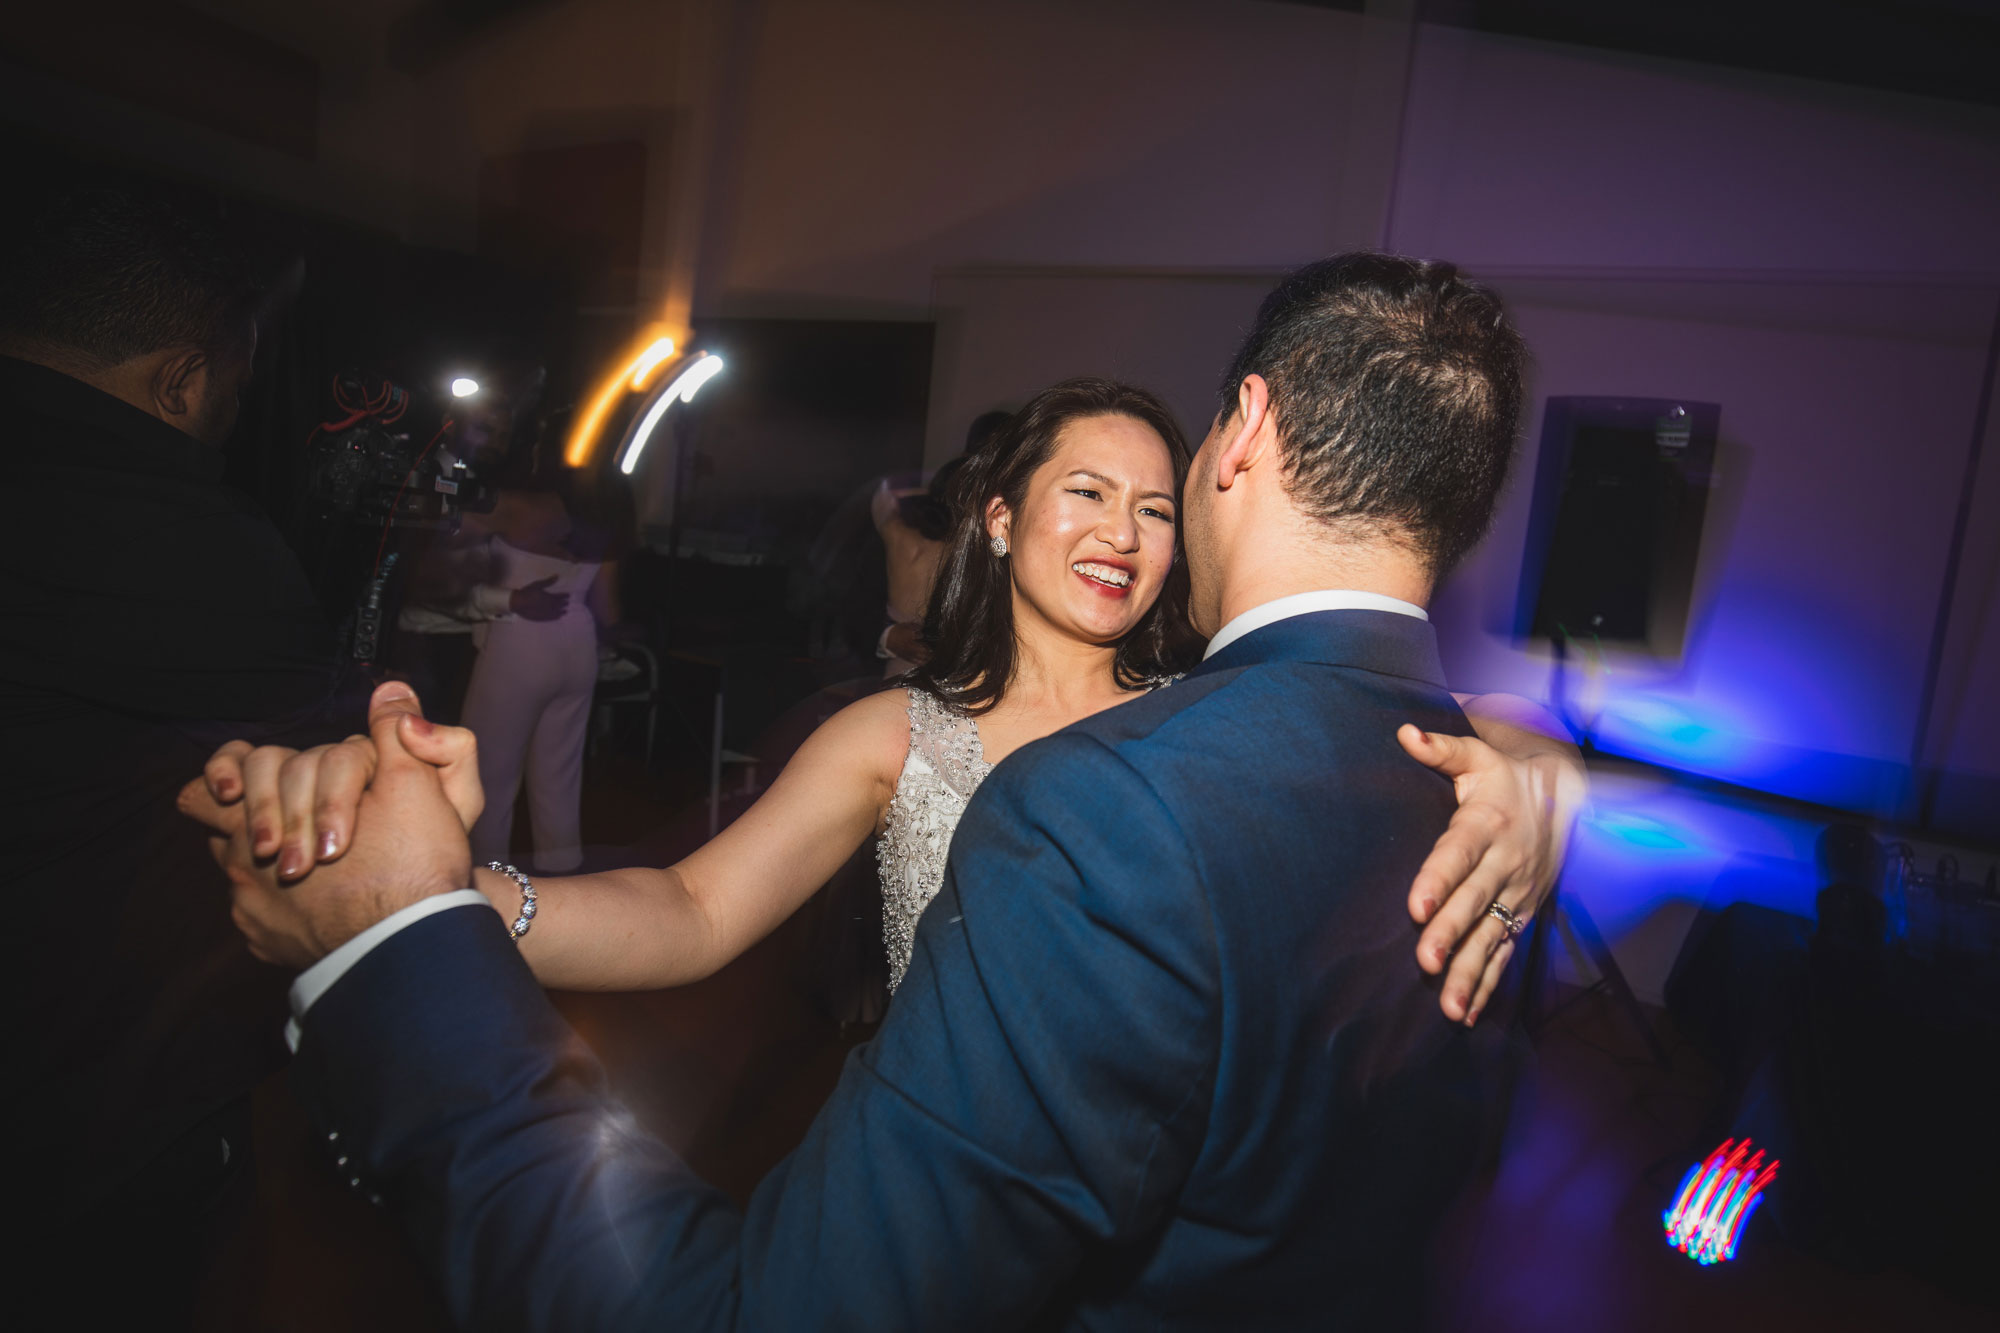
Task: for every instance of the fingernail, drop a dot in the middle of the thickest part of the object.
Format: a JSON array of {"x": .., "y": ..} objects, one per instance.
[
  {"x": 1472, "y": 1018},
  {"x": 261, "y": 839},
  {"x": 226, "y": 788},
  {"x": 290, "y": 863},
  {"x": 328, "y": 845},
  {"x": 1464, "y": 1003},
  {"x": 420, "y": 726},
  {"x": 1427, "y": 905},
  {"x": 392, "y": 691},
  {"x": 1439, "y": 954}
]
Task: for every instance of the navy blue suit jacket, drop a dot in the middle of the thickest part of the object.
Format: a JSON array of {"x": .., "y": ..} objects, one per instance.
[{"x": 1163, "y": 1057}]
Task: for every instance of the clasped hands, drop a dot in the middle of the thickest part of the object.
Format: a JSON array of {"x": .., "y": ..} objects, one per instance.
[
  {"x": 415, "y": 787},
  {"x": 320, "y": 844}
]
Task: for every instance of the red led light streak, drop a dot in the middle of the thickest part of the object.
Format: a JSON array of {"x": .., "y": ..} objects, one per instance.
[{"x": 1715, "y": 1201}]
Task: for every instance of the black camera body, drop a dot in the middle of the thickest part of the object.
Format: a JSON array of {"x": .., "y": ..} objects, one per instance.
[
  {"x": 371, "y": 476},
  {"x": 363, "y": 469}
]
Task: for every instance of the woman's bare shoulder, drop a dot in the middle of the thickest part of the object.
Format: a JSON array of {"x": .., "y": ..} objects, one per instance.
[
  {"x": 889, "y": 709},
  {"x": 873, "y": 730}
]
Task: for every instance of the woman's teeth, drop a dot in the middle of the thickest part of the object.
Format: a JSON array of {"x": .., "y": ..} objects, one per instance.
[{"x": 1105, "y": 574}]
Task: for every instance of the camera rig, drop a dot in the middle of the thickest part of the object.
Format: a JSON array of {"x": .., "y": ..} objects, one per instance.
[
  {"x": 364, "y": 471},
  {"x": 359, "y": 468}
]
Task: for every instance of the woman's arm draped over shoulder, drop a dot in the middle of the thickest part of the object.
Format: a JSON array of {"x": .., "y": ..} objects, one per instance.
[
  {"x": 1520, "y": 786},
  {"x": 1537, "y": 740},
  {"x": 641, "y": 929}
]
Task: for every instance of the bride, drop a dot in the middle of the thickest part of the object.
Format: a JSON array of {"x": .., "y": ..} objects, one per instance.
[{"x": 1059, "y": 595}]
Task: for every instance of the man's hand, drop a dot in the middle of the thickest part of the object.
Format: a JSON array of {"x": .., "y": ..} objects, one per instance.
[
  {"x": 299, "y": 805},
  {"x": 1505, "y": 844},
  {"x": 536, "y": 602},
  {"x": 409, "y": 845}
]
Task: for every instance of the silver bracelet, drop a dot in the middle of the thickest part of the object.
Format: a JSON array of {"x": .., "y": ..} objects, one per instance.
[{"x": 527, "y": 916}]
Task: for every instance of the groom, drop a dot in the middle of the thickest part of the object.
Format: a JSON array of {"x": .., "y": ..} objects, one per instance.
[{"x": 1160, "y": 1059}]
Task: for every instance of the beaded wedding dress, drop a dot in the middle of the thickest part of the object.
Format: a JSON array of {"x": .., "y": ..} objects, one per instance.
[{"x": 944, "y": 767}]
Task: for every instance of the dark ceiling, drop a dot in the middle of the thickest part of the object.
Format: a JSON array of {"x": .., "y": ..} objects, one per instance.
[{"x": 1934, "y": 48}]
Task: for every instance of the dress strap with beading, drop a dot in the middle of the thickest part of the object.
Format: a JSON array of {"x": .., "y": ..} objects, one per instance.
[{"x": 948, "y": 741}]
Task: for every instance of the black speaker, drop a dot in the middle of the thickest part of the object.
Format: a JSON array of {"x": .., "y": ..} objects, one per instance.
[{"x": 1621, "y": 489}]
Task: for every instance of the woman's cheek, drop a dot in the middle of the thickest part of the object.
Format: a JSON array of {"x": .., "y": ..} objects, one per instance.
[
  {"x": 1064, "y": 521},
  {"x": 1062, "y": 540}
]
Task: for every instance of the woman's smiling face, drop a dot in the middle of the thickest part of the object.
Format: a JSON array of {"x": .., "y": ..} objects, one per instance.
[{"x": 1091, "y": 545}]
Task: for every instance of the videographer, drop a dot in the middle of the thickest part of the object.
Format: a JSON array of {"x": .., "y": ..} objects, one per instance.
[
  {"x": 455, "y": 587},
  {"x": 151, "y": 611}
]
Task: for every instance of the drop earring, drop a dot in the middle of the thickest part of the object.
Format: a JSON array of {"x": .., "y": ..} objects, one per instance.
[{"x": 999, "y": 545}]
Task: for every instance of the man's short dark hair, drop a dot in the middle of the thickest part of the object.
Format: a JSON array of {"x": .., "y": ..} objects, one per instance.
[
  {"x": 101, "y": 275},
  {"x": 1396, "y": 388}
]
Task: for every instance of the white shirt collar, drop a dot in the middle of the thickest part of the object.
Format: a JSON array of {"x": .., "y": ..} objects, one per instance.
[{"x": 1304, "y": 603}]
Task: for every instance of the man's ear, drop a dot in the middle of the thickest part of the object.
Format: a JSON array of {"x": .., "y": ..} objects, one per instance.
[
  {"x": 179, "y": 383},
  {"x": 1251, "y": 441}
]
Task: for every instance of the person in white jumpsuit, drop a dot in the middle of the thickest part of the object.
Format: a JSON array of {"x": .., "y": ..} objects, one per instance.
[{"x": 530, "y": 694}]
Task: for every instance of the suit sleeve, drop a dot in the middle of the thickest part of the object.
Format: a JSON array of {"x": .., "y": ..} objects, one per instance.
[{"x": 1033, "y": 1102}]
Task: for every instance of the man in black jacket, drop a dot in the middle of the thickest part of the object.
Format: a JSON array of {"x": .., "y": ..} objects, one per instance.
[{"x": 151, "y": 611}]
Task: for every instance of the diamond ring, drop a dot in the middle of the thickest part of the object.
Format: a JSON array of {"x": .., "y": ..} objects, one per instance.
[{"x": 1509, "y": 922}]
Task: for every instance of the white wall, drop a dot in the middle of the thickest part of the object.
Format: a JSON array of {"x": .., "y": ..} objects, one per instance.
[
  {"x": 1005, "y": 333},
  {"x": 884, "y": 140},
  {"x": 1521, "y": 154}
]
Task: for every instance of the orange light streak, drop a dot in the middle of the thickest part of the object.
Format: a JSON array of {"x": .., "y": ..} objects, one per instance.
[
  {"x": 631, "y": 375},
  {"x": 649, "y": 361}
]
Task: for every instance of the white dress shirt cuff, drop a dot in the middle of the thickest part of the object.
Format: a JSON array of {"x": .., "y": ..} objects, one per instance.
[{"x": 318, "y": 979}]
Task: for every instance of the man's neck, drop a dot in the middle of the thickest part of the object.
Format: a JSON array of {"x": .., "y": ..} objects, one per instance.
[
  {"x": 1275, "y": 571},
  {"x": 113, "y": 380}
]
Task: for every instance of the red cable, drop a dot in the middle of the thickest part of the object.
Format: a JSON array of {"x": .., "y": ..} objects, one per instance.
[{"x": 335, "y": 427}]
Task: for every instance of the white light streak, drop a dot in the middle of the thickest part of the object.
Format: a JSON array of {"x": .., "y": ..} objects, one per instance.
[{"x": 682, "y": 390}]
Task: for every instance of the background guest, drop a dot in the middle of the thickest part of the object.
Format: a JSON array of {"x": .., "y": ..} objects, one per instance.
[
  {"x": 530, "y": 694},
  {"x": 128, "y": 327},
  {"x": 914, "y": 523},
  {"x": 450, "y": 593}
]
